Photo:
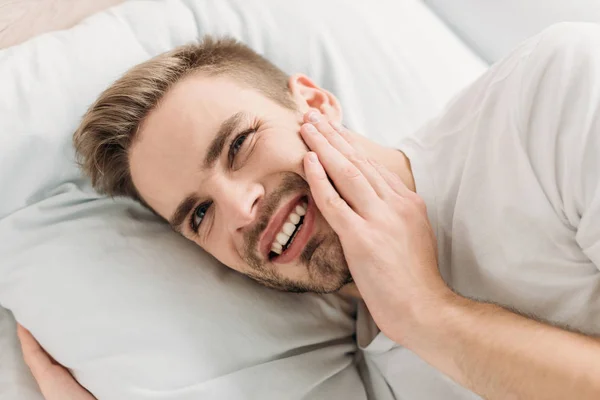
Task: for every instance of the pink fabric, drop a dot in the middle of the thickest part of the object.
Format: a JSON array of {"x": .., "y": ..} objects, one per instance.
[{"x": 21, "y": 20}]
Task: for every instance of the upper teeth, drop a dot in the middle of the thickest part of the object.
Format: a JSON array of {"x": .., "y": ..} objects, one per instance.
[{"x": 288, "y": 228}]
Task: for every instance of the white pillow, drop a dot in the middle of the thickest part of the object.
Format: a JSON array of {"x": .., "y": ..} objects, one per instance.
[{"x": 135, "y": 311}]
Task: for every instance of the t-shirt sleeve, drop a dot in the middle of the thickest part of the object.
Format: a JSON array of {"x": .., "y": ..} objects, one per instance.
[{"x": 558, "y": 113}]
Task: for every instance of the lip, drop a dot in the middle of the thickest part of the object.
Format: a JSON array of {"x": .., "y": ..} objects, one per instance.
[{"x": 275, "y": 225}]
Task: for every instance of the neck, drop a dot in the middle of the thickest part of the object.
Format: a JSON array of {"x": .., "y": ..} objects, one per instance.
[
  {"x": 393, "y": 159},
  {"x": 350, "y": 290}
]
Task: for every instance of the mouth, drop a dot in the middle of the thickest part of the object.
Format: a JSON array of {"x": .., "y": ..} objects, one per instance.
[{"x": 289, "y": 231}]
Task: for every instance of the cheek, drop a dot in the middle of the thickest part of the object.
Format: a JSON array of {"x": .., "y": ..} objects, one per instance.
[
  {"x": 221, "y": 247},
  {"x": 219, "y": 244},
  {"x": 283, "y": 152}
]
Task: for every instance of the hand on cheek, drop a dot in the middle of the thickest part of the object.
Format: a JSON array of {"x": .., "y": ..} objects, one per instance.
[{"x": 387, "y": 239}]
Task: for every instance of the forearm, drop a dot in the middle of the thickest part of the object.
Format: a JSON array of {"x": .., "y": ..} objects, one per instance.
[{"x": 502, "y": 355}]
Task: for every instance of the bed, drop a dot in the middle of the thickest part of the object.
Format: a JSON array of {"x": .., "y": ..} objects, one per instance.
[{"x": 111, "y": 292}]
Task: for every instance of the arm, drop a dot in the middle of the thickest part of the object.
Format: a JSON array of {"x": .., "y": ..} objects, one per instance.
[
  {"x": 390, "y": 251},
  {"x": 502, "y": 355}
]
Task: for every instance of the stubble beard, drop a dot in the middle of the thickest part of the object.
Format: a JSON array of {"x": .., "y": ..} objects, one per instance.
[{"x": 323, "y": 255}]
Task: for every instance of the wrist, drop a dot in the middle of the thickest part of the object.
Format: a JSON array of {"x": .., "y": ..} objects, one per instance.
[{"x": 436, "y": 319}]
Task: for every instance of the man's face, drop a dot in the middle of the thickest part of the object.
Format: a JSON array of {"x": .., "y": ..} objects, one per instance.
[{"x": 223, "y": 164}]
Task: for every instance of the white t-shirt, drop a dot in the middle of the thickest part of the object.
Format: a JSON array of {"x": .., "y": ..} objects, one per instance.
[{"x": 510, "y": 173}]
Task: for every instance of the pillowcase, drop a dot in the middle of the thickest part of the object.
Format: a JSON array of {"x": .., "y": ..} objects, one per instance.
[{"x": 135, "y": 311}]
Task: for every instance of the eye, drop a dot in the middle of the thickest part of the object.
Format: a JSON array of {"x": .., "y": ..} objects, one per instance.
[
  {"x": 237, "y": 143},
  {"x": 198, "y": 216}
]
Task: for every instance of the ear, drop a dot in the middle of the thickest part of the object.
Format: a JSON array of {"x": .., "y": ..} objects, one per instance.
[{"x": 308, "y": 94}]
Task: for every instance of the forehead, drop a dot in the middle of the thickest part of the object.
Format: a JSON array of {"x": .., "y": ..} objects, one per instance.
[{"x": 166, "y": 157}]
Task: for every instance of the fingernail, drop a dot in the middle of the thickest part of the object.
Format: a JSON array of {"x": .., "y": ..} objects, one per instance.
[
  {"x": 310, "y": 129},
  {"x": 336, "y": 125},
  {"x": 314, "y": 117},
  {"x": 312, "y": 157}
]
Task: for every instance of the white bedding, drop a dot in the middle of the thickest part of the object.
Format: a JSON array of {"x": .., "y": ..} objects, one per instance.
[{"x": 134, "y": 310}]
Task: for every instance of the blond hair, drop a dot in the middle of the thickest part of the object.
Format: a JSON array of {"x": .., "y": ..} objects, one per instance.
[{"x": 110, "y": 125}]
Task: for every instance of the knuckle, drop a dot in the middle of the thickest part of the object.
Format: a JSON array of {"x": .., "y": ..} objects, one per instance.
[
  {"x": 375, "y": 164},
  {"x": 350, "y": 172},
  {"x": 395, "y": 179},
  {"x": 356, "y": 158},
  {"x": 335, "y": 202},
  {"x": 410, "y": 209},
  {"x": 378, "y": 210},
  {"x": 405, "y": 212},
  {"x": 355, "y": 144},
  {"x": 418, "y": 202},
  {"x": 344, "y": 133},
  {"x": 327, "y": 130}
]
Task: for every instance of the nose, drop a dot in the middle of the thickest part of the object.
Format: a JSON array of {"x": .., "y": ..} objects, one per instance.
[{"x": 239, "y": 204}]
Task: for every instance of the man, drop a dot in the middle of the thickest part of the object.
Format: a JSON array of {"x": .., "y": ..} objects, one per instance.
[{"x": 489, "y": 275}]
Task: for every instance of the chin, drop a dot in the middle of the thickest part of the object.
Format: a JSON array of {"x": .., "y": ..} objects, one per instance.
[{"x": 326, "y": 270}]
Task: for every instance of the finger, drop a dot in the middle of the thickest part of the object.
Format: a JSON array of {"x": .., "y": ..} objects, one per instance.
[
  {"x": 357, "y": 157},
  {"x": 38, "y": 361},
  {"x": 323, "y": 126},
  {"x": 335, "y": 210},
  {"x": 340, "y": 128},
  {"x": 345, "y": 133},
  {"x": 393, "y": 180},
  {"x": 380, "y": 185},
  {"x": 349, "y": 181},
  {"x": 54, "y": 381}
]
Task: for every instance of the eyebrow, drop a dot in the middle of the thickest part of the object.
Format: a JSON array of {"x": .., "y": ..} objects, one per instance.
[
  {"x": 183, "y": 209},
  {"x": 227, "y": 128}
]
